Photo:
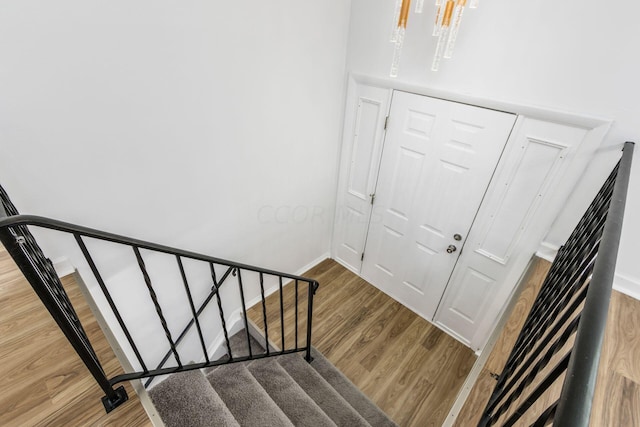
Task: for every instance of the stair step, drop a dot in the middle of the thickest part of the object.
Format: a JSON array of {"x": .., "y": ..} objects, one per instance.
[
  {"x": 288, "y": 395},
  {"x": 318, "y": 389},
  {"x": 239, "y": 347},
  {"x": 278, "y": 391},
  {"x": 350, "y": 392},
  {"x": 189, "y": 399},
  {"x": 246, "y": 399}
]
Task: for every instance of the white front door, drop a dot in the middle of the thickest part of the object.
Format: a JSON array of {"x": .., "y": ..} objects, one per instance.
[{"x": 437, "y": 161}]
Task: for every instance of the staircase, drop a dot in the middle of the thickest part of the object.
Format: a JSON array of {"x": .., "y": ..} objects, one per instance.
[{"x": 276, "y": 391}]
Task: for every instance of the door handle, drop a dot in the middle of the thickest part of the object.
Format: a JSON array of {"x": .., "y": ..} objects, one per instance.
[{"x": 451, "y": 249}]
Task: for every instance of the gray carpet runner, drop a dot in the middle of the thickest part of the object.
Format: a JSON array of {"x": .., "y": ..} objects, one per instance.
[{"x": 272, "y": 392}]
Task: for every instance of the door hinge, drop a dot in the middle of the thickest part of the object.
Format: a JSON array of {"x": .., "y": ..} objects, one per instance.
[
  {"x": 373, "y": 197},
  {"x": 362, "y": 257},
  {"x": 386, "y": 122}
]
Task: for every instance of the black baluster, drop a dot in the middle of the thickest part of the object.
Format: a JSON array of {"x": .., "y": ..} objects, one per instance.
[
  {"x": 154, "y": 298},
  {"x": 296, "y": 315},
  {"x": 193, "y": 308},
  {"x": 281, "y": 315},
  {"x": 313, "y": 287},
  {"x": 216, "y": 290},
  {"x": 110, "y": 301},
  {"x": 244, "y": 312},
  {"x": 264, "y": 313}
]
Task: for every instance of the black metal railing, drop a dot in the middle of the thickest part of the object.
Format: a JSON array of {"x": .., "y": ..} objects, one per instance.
[
  {"x": 550, "y": 376},
  {"x": 39, "y": 271}
]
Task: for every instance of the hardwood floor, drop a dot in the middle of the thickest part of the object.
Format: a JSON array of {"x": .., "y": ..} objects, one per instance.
[
  {"x": 481, "y": 392},
  {"x": 408, "y": 367},
  {"x": 42, "y": 380},
  {"x": 617, "y": 397},
  {"x": 411, "y": 369}
]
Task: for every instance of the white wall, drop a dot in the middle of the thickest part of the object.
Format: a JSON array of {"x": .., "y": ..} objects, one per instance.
[
  {"x": 572, "y": 56},
  {"x": 176, "y": 121},
  {"x": 212, "y": 126}
]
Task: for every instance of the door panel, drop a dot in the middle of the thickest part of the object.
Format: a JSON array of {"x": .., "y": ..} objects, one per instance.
[
  {"x": 516, "y": 214},
  {"x": 364, "y": 131},
  {"x": 438, "y": 159}
]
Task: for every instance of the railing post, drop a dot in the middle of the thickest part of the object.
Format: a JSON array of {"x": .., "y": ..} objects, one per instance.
[
  {"x": 54, "y": 298},
  {"x": 313, "y": 287}
]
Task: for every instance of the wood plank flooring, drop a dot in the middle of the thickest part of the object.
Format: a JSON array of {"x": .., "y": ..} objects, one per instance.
[
  {"x": 617, "y": 396},
  {"x": 411, "y": 369},
  {"x": 408, "y": 367},
  {"x": 42, "y": 380},
  {"x": 481, "y": 392}
]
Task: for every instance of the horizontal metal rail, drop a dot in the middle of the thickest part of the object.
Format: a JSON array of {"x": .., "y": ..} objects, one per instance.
[
  {"x": 38, "y": 270},
  {"x": 53, "y": 224},
  {"x": 164, "y": 371}
]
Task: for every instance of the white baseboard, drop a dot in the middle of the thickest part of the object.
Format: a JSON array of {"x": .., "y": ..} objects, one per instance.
[
  {"x": 623, "y": 284},
  {"x": 269, "y": 290},
  {"x": 63, "y": 267},
  {"x": 346, "y": 265},
  {"x": 627, "y": 286},
  {"x": 313, "y": 263},
  {"x": 547, "y": 251}
]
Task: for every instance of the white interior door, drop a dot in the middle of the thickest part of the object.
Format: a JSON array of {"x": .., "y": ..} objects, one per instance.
[
  {"x": 363, "y": 137},
  {"x": 437, "y": 161}
]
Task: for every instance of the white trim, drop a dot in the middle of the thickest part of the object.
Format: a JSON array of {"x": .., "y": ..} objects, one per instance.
[
  {"x": 256, "y": 333},
  {"x": 621, "y": 283},
  {"x": 147, "y": 404},
  {"x": 217, "y": 348},
  {"x": 547, "y": 114},
  {"x": 63, "y": 267},
  {"x": 313, "y": 263},
  {"x": 347, "y": 266},
  {"x": 272, "y": 289},
  {"x": 547, "y": 251},
  {"x": 627, "y": 286},
  {"x": 351, "y": 93},
  {"x": 137, "y": 385},
  {"x": 484, "y": 354}
]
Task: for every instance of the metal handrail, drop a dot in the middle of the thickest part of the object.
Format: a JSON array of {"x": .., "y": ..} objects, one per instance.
[
  {"x": 574, "y": 406},
  {"x": 68, "y": 227},
  {"x": 38, "y": 270},
  {"x": 573, "y": 301}
]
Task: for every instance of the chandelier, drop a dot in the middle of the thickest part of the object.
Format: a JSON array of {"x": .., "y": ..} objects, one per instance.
[{"x": 448, "y": 15}]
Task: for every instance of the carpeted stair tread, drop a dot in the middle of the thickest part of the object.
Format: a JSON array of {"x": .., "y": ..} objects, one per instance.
[
  {"x": 188, "y": 400},
  {"x": 328, "y": 399},
  {"x": 361, "y": 403},
  {"x": 246, "y": 399},
  {"x": 279, "y": 391},
  {"x": 239, "y": 347},
  {"x": 288, "y": 395}
]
